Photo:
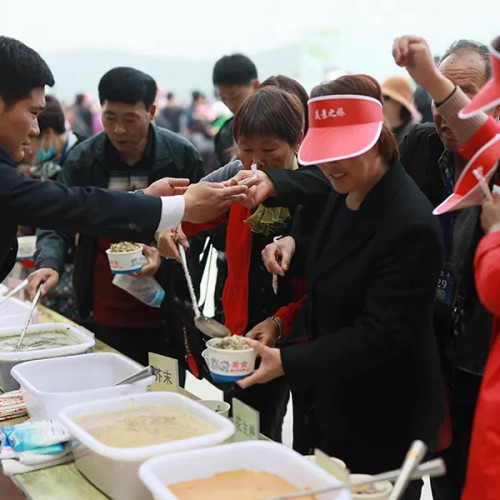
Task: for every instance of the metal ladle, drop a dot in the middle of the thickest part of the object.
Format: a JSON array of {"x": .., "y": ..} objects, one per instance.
[
  {"x": 33, "y": 305},
  {"x": 208, "y": 326}
]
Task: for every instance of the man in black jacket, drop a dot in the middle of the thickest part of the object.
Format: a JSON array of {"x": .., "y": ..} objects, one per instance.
[
  {"x": 430, "y": 155},
  {"x": 88, "y": 210},
  {"x": 129, "y": 155}
]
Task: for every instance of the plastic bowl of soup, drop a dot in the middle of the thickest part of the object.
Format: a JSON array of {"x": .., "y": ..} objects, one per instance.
[
  {"x": 250, "y": 469},
  {"x": 229, "y": 359},
  {"x": 117, "y": 435},
  {"x": 125, "y": 257}
]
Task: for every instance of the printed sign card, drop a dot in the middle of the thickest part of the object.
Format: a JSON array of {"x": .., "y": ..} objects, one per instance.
[
  {"x": 246, "y": 420},
  {"x": 166, "y": 371}
]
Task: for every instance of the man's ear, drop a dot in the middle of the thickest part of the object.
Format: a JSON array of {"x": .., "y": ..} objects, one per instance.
[
  {"x": 255, "y": 83},
  {"x": 152, "y": 111}
]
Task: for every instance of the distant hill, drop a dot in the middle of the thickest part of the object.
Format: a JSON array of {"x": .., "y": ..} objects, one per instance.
[{"x": 80, "y": 71}]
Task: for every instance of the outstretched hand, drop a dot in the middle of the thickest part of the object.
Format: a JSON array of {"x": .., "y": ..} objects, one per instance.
[
  {"x": 207, "y": 200},
  {"x": 258, "y": 189},
  {"x": 168, "y": 186}
]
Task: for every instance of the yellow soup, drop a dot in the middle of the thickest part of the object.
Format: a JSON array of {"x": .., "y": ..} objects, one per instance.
[
  {"x": 143, "y": 425},
  {"x": 235, "y": 485}
]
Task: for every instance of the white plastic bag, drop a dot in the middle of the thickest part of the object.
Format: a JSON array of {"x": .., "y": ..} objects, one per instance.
[{"x": 147, "y": 290}]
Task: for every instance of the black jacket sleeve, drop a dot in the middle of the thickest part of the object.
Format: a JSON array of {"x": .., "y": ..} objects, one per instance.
[
  {"x": 299, "y": 187},
  {"x": 93, "y": 211}
]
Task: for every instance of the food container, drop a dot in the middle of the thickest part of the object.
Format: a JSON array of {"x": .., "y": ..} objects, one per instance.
[
  {"x": 49, "y": 385},
  {"x": 228, "y": 365},
  {"x": 9, "y": 359},
  {"x": 14, "y": 312},
  {"x": 125, "y": 262},
  {"x": 115, "y": 470},
  {"x": 385, "y": 488},
  {"x": 26, "y": 246},
  {"x": 220, "y": 407},
  {"x": 275, "y": 458}
]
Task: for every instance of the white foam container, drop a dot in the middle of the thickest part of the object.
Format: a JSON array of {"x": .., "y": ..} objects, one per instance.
[
  {"x": 10, "y": 359},
  {"x": 14, "y": 312},
  {"x": 115, "y": 470},
  {"x": 275, "y": 458},
  {"x": 49, "y": 385}
]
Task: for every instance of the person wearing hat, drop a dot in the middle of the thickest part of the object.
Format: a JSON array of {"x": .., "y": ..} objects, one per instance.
[
  {"x": 399, "y": 109},
  {"x": 366, "y": 378}
]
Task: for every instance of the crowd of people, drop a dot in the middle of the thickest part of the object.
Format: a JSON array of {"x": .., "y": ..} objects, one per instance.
[{"x": 382, "y": 323}]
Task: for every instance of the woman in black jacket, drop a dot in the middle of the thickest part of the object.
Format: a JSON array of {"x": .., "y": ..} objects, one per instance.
[{"x": 367, "y": 381}]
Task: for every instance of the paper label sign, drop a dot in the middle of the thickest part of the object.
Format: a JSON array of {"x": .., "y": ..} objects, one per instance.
[
  {"x": 166, "y": 373},
  {"x": 331, "y": 465},
  {"x": 246, "y": 420}
]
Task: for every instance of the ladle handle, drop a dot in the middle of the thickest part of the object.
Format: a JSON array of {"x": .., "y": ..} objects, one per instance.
[
  {"x": 18, "y": 288},
  {"x": 33, "y": 305},
  {"x": 182, "y": 253}
]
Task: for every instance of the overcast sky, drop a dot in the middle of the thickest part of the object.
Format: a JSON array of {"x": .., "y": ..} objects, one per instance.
[{"x": 207, "y": 29}]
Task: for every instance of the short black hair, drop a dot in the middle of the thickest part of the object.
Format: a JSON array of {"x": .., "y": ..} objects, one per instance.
[
  {"x": 128, "y": 85},
  {"x": 235, "y": 69},
  {"x": 52, "y": 116},
  {"x": 464, "y": 45},
  {"x": 21, "y": 70}
]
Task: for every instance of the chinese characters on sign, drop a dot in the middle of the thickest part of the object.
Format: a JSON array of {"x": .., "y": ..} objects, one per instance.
[
  {"x": 246, "y": 420},
  {"x": 323, "y": 114},
  {"x": 166, "y": 373}
]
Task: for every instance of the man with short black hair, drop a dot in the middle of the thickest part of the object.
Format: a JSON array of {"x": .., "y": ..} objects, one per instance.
[
  {"x": 235, "y": 78},
  {"x": 129, "y": 155}
]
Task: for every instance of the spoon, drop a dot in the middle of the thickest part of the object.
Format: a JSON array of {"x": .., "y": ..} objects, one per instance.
[
  {"x": 144, "y": 373},
  {"x": 208, "y": 326},
  {"x": 33, "y": 305},
  {"x": 18, "y": 288},
  {"x": 432, "y": 468},
  {"x": 414, "y": 456}
]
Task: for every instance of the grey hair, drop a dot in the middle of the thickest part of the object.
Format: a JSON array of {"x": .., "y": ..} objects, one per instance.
[{"x": 464, "y": 45}]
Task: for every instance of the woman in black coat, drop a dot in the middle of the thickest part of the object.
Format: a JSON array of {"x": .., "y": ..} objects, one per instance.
[{"x": 367, "y": 382}]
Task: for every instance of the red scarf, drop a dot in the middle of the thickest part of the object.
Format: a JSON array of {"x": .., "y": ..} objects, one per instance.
[{"x": 238, "y": 252}]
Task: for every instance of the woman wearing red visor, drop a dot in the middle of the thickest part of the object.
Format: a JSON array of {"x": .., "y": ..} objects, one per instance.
[{"x": 367, "y": 382}]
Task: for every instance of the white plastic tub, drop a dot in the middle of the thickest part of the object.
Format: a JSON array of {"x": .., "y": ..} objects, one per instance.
[
  {"x": 49, "y": 385},
  {"x": 9, "y": 359},
  {"x": 14, "y": 312},
  {"x": 275, "y": 458},
  {"x": 115, "y": 470}
]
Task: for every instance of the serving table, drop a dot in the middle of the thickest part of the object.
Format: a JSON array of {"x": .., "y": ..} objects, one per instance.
[{"x": 62, "y": 482}]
